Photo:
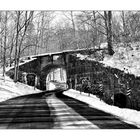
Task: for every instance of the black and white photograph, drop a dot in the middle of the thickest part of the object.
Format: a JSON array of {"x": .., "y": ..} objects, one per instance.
[{"x": 70, "y": 69}]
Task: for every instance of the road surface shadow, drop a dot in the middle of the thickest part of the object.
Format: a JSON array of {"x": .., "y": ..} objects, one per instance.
[
  {"x": 100, "y": 118},
  {"x": 26, "y": 112}
]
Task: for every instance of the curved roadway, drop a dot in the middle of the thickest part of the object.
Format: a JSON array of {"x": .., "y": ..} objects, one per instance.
[{"x": 51, "y": 110}]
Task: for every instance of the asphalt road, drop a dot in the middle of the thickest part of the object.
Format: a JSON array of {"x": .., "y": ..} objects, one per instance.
[
  {"x": 50, "y": 111},
  {"x": 97, "y": 117},
  {"x": 26, "y": 112}
]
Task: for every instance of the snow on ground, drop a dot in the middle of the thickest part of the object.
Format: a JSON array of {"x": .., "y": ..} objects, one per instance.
[
  {"x": 127, "y": 115},
  {"x": 9, "y": 89},
  {"x": 51, "y": 86},
  {"x": 85, "y": 57},
  {"x": 125, "y": 58}
]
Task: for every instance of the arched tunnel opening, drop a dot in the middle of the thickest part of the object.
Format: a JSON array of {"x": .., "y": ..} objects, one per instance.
[
  {"x": 123, "y": 101},
  {"x": 56, "y": 78},
  {"x": 53, "y": 76},
  {"x": 29, "y": 79}
]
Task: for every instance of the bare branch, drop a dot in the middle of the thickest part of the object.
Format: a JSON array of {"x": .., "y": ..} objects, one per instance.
[
  {"x": 94, "y": 27},
  {"x": 101, "y": 15},
  {"x": 67, "y": 16},
  {"x": 34, "y": 45}
]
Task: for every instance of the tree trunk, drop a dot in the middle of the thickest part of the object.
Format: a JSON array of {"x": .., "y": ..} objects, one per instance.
[
  {"x": 124, "y": 28},
  {"x": 73, "y": 24},
  {"x": 11, "y": 49},
  {"x": 0, "y": 36},
  {"x": 108, "y": 24},
  {"x": 19, "y": 44},
  {"x": 5, "y": 40},
  {"x": 42, "y": 31},
  {"x": 96, "y": 31},
  {"x": 110, "y": 49},
  {"x": 16, "y": 46}
]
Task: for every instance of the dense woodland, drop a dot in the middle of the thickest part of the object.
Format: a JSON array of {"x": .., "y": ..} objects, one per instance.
[{"x": 24, "y": 33}]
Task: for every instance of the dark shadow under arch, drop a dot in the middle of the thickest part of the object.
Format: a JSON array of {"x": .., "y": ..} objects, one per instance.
[{"x": 120, "y": 100}]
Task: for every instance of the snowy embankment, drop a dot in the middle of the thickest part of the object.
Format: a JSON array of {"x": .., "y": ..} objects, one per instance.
[
  {"x": 9, "y": 89},
  {"x": 127, "y": 115},
  {"x": 125, "y": 58}
]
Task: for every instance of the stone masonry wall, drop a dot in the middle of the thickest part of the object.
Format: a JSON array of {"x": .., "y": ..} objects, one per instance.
[{"x": 116, "y": 84}]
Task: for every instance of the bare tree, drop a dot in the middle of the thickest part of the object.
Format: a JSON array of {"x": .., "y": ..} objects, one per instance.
[
  {"x": 3, "y": 33},
  {"x": 5, "y": 41},
  {"x": 70, "y": 16},
  {"x": 43, "y": 32},
  {"x": 100, "y": 23},
  {"x": 21, "y": 28},
  {"x": 94, "y": 22},
  {"x": 125, "y": 33},
  {"x": 108, "y": 24}
]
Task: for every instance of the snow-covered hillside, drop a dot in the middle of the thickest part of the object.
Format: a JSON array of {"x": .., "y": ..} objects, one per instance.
[
  {"x": 9, "y": 89},
  {"x": 125, "y": 58}
]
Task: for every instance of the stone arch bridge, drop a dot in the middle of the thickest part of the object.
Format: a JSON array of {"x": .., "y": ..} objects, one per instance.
[
  {"x": 46, "y": 65},
  {"x": 67, "y": 63}
]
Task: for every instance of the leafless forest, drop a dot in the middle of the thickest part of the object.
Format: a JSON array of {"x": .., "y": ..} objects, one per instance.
[{"x": 24, "y": 33}]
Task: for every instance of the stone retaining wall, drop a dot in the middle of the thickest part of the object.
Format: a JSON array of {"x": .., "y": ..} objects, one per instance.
[{"x": 116, "y": 83}]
